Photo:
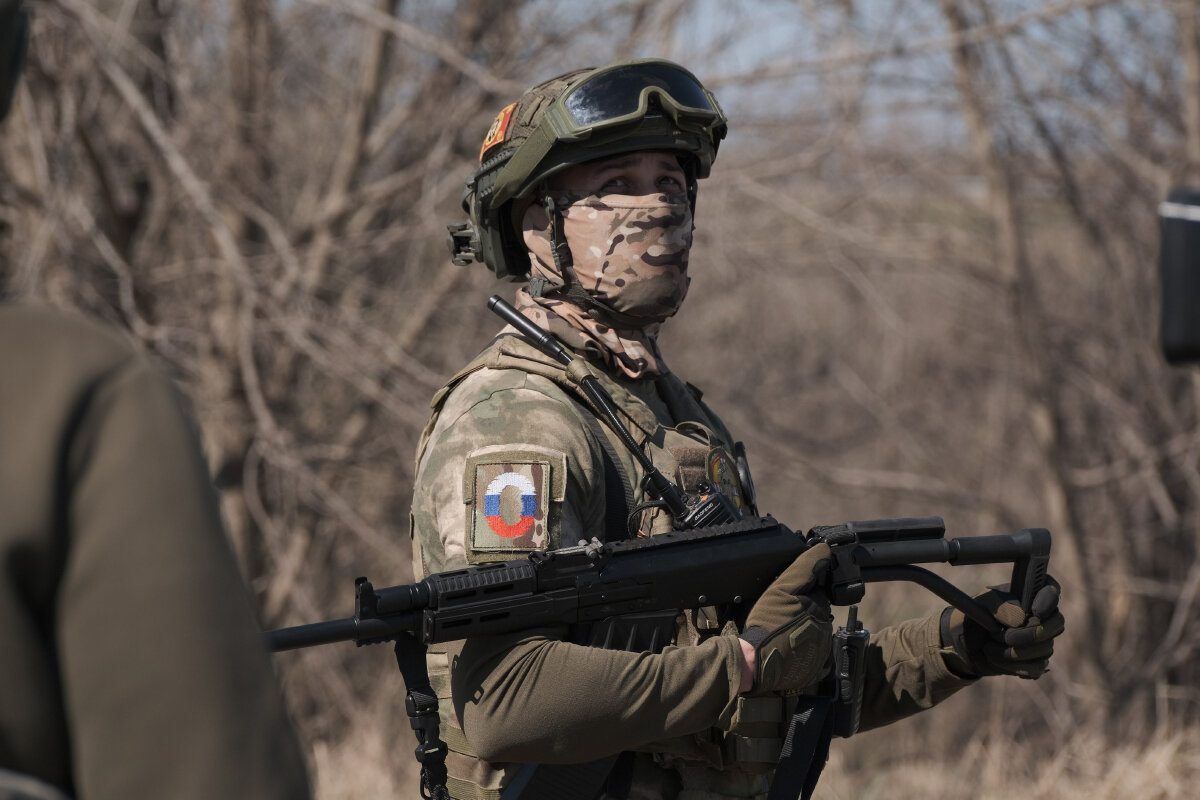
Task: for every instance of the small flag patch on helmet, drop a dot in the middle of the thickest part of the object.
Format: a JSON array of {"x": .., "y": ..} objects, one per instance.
[
  {"x": 510, "y": 500},
  {"x": 499, "y": 128}
]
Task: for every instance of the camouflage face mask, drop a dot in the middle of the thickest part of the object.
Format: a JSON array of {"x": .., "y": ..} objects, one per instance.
[{"x": 629, "y": 252}]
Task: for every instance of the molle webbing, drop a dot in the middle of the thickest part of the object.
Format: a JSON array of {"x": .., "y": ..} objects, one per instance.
[
  {"x": 465, "y": 790},
  {"x": 692, "y": 463}
]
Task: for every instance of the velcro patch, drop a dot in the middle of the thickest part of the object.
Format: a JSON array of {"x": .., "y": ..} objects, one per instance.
[
  {"x": 495, "y": 134},
  {"x": 722, "y": 471},
  {"x": 509, "y": 493}
]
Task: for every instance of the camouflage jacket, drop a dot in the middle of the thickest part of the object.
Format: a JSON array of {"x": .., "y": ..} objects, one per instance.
[{"x": 509, "y": 463}]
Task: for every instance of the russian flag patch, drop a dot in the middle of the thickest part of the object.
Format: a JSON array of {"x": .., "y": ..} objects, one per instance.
[
  {"x": 504, "y": 494},
  {"x": 510, "y": 504}
]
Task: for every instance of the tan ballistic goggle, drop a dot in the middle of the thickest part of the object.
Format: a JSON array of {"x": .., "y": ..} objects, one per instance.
[
  {"x": 603, "y": 108},
  {"x": 619, "y": 94}
]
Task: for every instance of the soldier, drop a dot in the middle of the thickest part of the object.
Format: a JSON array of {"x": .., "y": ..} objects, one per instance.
[
  {"x": 587, "y": 187},
  {"x": 131, "y": 661}
]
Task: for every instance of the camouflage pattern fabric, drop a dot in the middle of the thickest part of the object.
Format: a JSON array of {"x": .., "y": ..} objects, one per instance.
[
  {"x": 491, "y": 423},
  {"x": 629, "y": 252}
]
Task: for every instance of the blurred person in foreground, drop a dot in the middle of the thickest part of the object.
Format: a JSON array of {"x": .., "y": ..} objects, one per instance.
[
  {"x": 586, "y": 189},
  {"x": 132, "y": 664}
]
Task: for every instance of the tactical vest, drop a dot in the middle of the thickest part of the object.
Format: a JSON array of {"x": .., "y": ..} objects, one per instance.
[{"x": 689, "y": 444}]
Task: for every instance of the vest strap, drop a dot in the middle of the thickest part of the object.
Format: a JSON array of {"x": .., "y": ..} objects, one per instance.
[
  {"x": 456, "y": 740},
  {"x": 618, "y": 491}
]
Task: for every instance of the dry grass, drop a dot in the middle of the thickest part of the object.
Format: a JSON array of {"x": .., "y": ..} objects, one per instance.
[
  {"x": 364, "y": 764},
  {"x": 1082, "y": 768}
]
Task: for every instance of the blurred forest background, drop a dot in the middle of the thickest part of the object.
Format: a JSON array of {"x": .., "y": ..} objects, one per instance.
[{"x": 924, "y": 283}]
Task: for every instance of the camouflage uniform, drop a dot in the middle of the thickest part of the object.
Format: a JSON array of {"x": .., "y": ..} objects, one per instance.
[{"x": 508, "y": 464}]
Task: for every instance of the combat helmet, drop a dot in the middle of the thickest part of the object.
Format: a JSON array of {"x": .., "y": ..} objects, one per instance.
[{"x": 645, "y": 104}]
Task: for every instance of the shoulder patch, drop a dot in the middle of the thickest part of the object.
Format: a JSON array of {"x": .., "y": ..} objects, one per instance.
[
  {"x": 723, "y": 472},
  {"x": 509, "y": 492}
]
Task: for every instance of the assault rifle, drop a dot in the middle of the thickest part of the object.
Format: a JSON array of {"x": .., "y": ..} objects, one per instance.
[{"x": 727, "y": 564}]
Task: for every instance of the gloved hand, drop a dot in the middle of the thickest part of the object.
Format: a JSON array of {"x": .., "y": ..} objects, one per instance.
[
  {"x": 1022, "y": 647},
  {"x": 791, "y": 626}
]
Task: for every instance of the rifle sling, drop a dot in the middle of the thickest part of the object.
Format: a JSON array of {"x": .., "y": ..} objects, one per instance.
[
  {"x": 420, "y": 701},
  {"x": 805, "y": 750}
]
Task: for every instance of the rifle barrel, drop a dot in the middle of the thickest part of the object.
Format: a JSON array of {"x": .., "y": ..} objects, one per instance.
[{"x": 334, "y": 630}]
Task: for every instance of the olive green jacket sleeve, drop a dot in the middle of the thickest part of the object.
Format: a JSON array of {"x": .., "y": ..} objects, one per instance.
[
  {"x": 132, "y": 661},
  {"x": 906, "y": 672},
  {"x": 528, "y": 697}
]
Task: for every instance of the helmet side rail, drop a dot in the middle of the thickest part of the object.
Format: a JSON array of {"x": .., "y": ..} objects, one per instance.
[{"x": 731, "y": 563}]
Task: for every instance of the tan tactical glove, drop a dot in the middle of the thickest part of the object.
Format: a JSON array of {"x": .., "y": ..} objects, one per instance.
[
  {"x": 791, "y": 627},
  {"x": 1023, "y": 645}
]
